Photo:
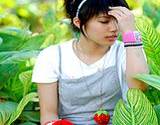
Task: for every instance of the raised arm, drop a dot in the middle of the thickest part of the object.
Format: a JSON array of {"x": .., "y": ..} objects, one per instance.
[
  {"x": 135, "y": 63},
  {"x": 135, "y": 59}
]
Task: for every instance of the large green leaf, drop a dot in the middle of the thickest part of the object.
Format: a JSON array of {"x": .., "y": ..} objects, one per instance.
[
  {"x": 34, "y": 42},
  {"x": 21, "y": 33},
  {"x": 153, "y": 68},
  {"x": 153, "y": 95},
  {"x": 157, "y": 109},
  {"x": 151, "y": 10},
  {"x": 16, "y": 56},
  {"x": 13, "y": 38},
  {"x": 151, "y": 40},
  {"x": 6, "y": 109},
  {"x": 20, "y": 107},
  {"x": 49, "y": 19},
  {"x": 137, "y": 111},
  {"x": 25, "y": 78},
  {"x": 152, "y": 80},
  {"x": 10, "y": 42},
  {"x": 28, "y": 123},
  {"x": 33, "y": 116},
  {"x": 133, "y": 4}
]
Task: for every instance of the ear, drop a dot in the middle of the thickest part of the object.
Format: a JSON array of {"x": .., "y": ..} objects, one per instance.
[{"x": 76, "y": 22}]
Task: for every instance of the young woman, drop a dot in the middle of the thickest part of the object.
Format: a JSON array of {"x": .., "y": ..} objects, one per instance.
[{"x": 90, "y": 73}]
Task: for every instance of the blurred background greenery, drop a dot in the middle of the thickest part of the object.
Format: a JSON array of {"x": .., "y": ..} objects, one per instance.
[{"x": 28, "y": 26}]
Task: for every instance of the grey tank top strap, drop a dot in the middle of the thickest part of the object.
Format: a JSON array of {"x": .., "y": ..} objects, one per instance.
[
  {"x": 60, "y": 60},
  {"x": 117, "y": 51}
]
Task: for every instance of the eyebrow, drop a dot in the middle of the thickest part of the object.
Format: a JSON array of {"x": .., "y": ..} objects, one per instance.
[{"x": 107, "y": 17}]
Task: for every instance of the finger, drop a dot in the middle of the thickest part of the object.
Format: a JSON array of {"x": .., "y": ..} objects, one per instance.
[
  {"x": 118, "y": 12},
  {"x": 122, "y": 9},
  {"x": 114, "y": 14}
]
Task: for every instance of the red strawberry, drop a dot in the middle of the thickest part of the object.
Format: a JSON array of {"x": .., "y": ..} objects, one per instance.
[
  {"x": 101, "y": 117},
  {"x": 63, "y": 122}
]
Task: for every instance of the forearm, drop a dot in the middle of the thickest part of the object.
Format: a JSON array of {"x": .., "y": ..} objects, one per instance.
[
  {"x": 135, "y": 63},
  {"x": 48, "y": 102},
  {"x": 47, "y": 115}
]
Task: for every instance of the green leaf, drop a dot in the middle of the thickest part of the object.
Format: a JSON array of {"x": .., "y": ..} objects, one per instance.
[
  {"x": 34, "y": 42},
  {"x": 16, "y": 56},
  {"x": 157, "y": 109},
  {"x": 151, "y": 10},
  {"x": 21, "y": 33},
  {"x": 20, "y": 107},
  {"x": 49, "y": 19},
  {"x": 153, "y": 68},
  {"x": 137, "y": 110},
  {"x": 10, "y": 42},
  {"x": 33, "y": 116},
  {"x": 152, "y": 80},
  {"x": 133, "y": 4},
  {"x": 25, "y": 78},
  {"x": 151, "y": 40},
  {"x": 6, "y": 109},
  {"x": 28, "y": 123},
  {"x": 1, "y": 40}
]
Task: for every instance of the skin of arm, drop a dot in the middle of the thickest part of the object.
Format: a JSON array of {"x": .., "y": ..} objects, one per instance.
[
  {"x": 135, "y": 64},
  {"x": 135, "y": 59},
  {"x": 48, "y": 97}
]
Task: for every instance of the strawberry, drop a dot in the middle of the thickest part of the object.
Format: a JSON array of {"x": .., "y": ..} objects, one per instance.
[
  {"x": 101, "y": 117},
  {"x": 63, "y": 122}
]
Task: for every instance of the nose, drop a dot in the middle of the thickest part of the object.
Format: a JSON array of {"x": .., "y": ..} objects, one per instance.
[{"x": 113, "y": 26}]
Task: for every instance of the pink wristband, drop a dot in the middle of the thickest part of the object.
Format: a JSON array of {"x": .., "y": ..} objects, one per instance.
[{"x": 132, "y": 37}]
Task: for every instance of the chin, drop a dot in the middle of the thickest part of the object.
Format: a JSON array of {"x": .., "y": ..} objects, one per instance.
[{"x": 110, "y": 42}]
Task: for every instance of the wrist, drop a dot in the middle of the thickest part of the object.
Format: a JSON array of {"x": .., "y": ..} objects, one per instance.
[
  {"x": 132, "y": 38},
  {"x": 51, "y": 122}
]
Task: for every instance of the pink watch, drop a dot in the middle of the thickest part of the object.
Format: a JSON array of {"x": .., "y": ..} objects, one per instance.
[{"x": 131, "y": 37}]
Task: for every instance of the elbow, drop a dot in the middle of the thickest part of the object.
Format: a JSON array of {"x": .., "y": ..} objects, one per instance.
[
  {"x": 134, "y": 83},
  {"x": 143, "y": 87},
  {"x": 142, "y": 69}
]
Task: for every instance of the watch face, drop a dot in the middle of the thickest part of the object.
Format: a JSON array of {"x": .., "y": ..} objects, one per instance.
[{"x": 138, "y": 37}]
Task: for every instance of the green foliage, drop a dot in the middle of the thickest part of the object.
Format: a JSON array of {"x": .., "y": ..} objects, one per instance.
[
  {"x": 10, "y": 111},
  {"x": 157, "y": 109},
  {"x": 137, "y": 111},
  {"x": 18, "y": 50},
  {"x": 29, "y": 26},
  {"x": 153, "y": 92},
  {"x": 152, "y": 80},
  {"x": 152, "y": 11},
  {"x": 6, "y": 109},
  {"x": 133, "y": 4},
  {"x": 25, "y": 78},
  {"x": 20, "y": 107},
  {"x": 151, "y": 41}
]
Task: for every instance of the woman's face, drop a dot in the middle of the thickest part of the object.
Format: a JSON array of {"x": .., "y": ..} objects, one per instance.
[{"x": 102, "y": 29}]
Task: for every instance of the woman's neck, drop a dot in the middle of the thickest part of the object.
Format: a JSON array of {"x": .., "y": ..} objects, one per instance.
[{"x": 91, "y": 48}]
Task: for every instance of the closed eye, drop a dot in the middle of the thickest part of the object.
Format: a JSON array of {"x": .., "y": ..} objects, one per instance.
[{"x": 104, "y": 22}]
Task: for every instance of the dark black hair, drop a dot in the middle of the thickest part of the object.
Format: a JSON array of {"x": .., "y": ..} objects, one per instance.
[{"x": 89, "y": 9}]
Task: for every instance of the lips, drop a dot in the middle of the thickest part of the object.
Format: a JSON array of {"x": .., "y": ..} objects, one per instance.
[{"x": 112, "y": 38}]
